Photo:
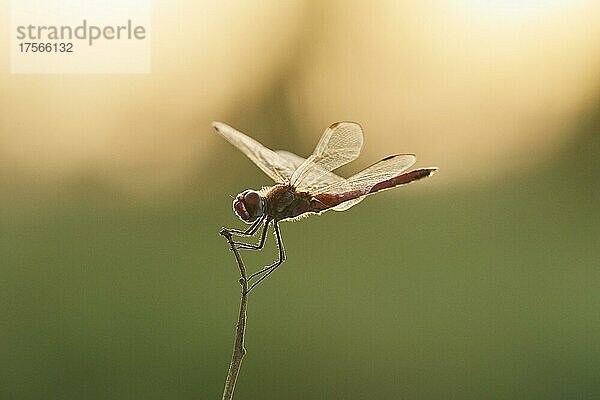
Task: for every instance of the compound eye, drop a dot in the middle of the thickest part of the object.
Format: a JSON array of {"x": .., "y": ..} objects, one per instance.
[
  {"x": 240, "y": 210},
  {"x": 252, "y": 199}
]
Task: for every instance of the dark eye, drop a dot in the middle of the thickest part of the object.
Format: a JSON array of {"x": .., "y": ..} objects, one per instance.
[{"x": 252, "y": 199}]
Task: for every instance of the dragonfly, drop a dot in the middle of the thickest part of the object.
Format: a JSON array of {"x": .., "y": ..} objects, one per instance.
[{"x": 309, "y": 186}]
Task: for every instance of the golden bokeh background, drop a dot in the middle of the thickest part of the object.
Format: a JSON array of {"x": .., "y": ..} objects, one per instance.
[{"x": 481, "y": 282}]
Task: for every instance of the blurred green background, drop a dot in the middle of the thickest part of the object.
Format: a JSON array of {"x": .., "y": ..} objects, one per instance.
[{"x": 481, "y": 282}]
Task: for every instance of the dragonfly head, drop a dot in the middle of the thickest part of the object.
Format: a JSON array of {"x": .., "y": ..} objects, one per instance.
[{"x": 249, "y": 205}]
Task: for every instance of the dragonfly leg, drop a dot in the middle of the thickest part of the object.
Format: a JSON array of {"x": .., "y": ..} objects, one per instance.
[
  {"x": 248, "y": 232},
  {"x": 269, "y": 269},
  {"x": 260, "y": 244}
]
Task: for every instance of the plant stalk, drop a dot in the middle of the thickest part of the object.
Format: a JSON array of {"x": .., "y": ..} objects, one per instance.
[{"x": 238, "y": 348}]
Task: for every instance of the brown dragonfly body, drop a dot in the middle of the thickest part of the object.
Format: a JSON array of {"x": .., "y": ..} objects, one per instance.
[
  {"x": 284, "y": 202},
  {"x": 308, "y": 186}
]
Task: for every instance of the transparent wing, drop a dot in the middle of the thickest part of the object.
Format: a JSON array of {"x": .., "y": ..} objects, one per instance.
[
  {"x": 279, "y": 168},
  {"x": 294, "y": 159},
  {"x": 381, "y": 171},
  {"x": 340, "y": 144},
  {"x": 361, "y": 183},
  {"x": 325, "y": 179}
]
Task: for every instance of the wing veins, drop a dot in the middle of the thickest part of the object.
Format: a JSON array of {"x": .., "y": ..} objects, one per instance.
[
  {"x": 339, "y": 144},
  {"x": 277, "y": 167}
]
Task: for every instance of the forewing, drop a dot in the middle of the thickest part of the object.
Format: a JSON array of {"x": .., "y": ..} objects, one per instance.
[
  {"x": 279, "y": 168},
  {"x": 340, "y": 144},
  {"x": 363, "y": 181},
  {"x": 294, "y": 159},
  {"x": 325, "y": 179}
]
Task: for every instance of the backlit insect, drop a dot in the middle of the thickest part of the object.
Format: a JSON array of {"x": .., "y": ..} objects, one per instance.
[{"x": 304, "y": 186}]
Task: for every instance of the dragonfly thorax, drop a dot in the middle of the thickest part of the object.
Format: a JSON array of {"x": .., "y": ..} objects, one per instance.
[{"x": 249, "y": 205}]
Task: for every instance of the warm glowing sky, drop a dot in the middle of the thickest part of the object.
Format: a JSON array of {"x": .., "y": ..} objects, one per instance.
[{"x": 465, "y": 85}]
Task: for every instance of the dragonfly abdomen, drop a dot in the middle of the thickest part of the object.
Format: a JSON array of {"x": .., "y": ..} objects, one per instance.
[
  {"x": 324, "y": 201},
  {"x": 403, "y": 179}
]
